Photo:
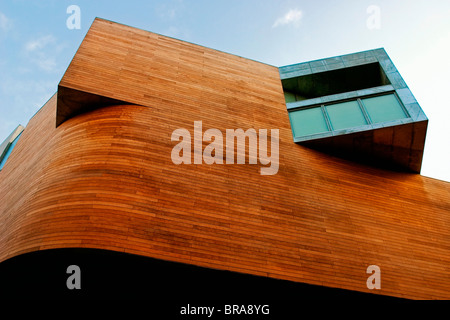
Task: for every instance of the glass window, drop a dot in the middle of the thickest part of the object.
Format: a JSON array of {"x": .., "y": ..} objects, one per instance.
[
  {"x": 289, "y": 97},
  {"x": 345, "y": 115},
  {"x": 8, "y": 151},
  {"x": 383, "y": 108},
  {"x": 308, "y": 121}
]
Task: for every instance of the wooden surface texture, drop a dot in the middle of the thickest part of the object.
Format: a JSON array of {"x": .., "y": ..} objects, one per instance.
[{"x": 105, "y": 178}]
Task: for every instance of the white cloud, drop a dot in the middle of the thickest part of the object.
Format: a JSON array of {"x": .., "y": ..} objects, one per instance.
[
  {"x": 25, "y": 96},
  {"x": 170, "y": 11},
  {"x": 172, "y": 31},
  {"x": 43, "y": 52},
  {"x": 5, "y": 23},
  {"x": 46, "y": 63},
  {"x": 171, "y": 14},
  {"x": 293, "y": 16},
  {"x": 39, "y": 43}
]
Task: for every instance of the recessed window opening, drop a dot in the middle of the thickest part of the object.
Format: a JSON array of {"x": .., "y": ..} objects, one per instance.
[{"x": 333, "y": 82}]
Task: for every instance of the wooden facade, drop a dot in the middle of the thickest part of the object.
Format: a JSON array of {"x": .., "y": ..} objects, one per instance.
[{"x": 104, "y": 178}]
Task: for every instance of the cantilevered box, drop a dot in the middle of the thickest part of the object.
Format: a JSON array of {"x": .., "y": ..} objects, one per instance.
[{"x": 356, "y": 106}]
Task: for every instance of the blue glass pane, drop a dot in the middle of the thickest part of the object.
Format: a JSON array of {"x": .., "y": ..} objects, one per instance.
[
  {"x": 384, "y": 108},
  {"x": 8, "y": 152},
  {"x": 308, "y": 121},
  {"x": 345, "y": 115}
]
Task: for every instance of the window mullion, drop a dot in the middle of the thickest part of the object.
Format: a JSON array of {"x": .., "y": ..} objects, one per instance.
[
  {"x": 364, "y": 111},
  {"x": 327, "y": 118}
]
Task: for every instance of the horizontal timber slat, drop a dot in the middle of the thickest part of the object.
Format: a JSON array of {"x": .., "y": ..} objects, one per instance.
[{"x": 105, "y": 179}]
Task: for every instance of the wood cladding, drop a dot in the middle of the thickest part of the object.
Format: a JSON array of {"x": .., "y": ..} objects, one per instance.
[{"x": 105, "y": 179}]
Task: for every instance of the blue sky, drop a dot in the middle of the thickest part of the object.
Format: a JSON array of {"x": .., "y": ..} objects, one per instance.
[{"x": 36, "y": 46}]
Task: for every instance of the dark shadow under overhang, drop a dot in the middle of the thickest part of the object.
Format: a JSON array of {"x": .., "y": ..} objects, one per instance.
[
  {"x": 72, "y": 102},
  {"x": 398, "y": 148}
]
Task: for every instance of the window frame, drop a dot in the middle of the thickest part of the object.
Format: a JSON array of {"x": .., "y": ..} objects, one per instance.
[{"x": 331, "y": 131}]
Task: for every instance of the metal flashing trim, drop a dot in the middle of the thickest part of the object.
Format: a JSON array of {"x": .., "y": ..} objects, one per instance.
[{"x": 8, "y": 143}]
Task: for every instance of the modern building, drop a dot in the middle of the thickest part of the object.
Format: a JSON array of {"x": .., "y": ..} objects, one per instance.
[{"x": 91, "y": 180}]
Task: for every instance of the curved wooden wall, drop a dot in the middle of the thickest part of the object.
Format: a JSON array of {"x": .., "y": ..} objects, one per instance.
[{"x": 104, "y": 179}]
